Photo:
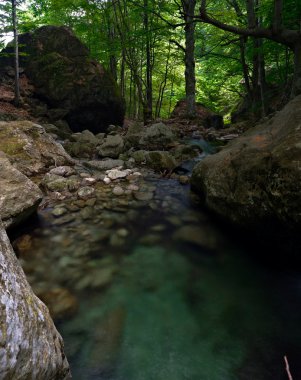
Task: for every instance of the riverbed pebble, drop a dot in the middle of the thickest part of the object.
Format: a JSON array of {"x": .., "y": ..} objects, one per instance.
[
  {"x": 122, "y": 232},
  {"x": 106, "y": 180},
  {"x": 118, "y": 190},
  {"x": 85, "y": 192},
  {"x": 143, "y": 196},
  {"x": 63, "y": 171},
  {"x": 59, "y": 211},
  {"x": 89, "y": 181},
  {"x": 116, "y": 174}
]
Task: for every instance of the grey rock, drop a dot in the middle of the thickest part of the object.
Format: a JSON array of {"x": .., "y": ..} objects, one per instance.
[
  {"x": 30, "y": 148},
  {"x": 118, "y": 190},
  {"x": 87, "y": 213},
  {"x": 55, "y": 182},
  {"x": 32, "y": 347},
  {"x": 139, "y": 156},
  {"x": 64, "y": 171},
  {"x": 257, "y": 178},
  {"x": 19, "y": 197},
  {"x": 64, "y": 75},
  {"x": 160, "y": 160},
  {"x": 103, "y": 164},
  {"x": 117, "y": 174},
  {"x": 59, "y": 211},
  {"x": 85, "y": 137},
  {"x": 157, "y": 136},
  {"x": 143, "y": 196},
  {"x": 157, "y": 160},
  {"x": 85, "y": 192},
  {"x": 112, "y": 146},
  {"x": 68, "y": 218},
  {"x": 80, "y": 149}
]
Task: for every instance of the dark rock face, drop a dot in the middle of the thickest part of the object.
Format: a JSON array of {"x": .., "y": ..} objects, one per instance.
[
  {"x": 256, "y": 179},
  {"x": 208, "y": 118},
  {"x": 64, "y": 76}
]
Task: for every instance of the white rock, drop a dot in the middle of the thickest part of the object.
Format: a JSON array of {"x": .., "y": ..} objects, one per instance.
[
  {"x": 63, "y": 171},
  {"x": 115, "y": 174},
  {"x": 89, "y": 181},
  {"x": 106, "y": 180}
]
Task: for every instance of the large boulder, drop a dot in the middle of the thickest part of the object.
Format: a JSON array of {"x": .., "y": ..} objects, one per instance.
[
  {"x": 29, "y": 148},
  {"x": 66, "y": 78},
  {"x": 203, "y": 115},
  {"x": 156, "y": 136},
  {"x": 19, "y": 197},
  {"x": 112, "y": 146},
  {"x": 159, "y": 161},
  {"x": 31, "y": 347},
  {"x": 256, "y": 178}
]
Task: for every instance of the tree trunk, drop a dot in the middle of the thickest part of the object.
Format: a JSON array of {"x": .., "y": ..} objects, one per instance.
[
  {"x": 261, "y": 79},
  {"x": 258, "y": 80},
  {"x": 122, "y": 76},
  {"x": 16, "y": 57},
  {"x": 190, "y": 82},
  {"x": 148, "y": 106},
  {"x": 296, "y": 88},
  {"x": 163, "y": 85},
  {"x": 245, "y": 66}
]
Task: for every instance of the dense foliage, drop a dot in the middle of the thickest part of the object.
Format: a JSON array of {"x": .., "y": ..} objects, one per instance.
[{"x": 142, "y": 42}]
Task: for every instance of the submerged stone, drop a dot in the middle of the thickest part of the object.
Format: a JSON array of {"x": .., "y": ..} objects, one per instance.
[
  {"x": 118, "y": 190},
  {"x": 85, "y": 192}
]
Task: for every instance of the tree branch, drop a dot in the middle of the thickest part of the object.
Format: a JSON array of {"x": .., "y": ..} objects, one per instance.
[
  {"x": 287, "y": 368},
  {"x": 286, "y": 36},
  {"x": 178, "y": 45}
]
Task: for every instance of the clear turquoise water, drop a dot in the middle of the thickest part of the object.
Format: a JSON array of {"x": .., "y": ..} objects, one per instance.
[
  {"x": 179, "y": 311},
  {"x": 197, "y": 308}
]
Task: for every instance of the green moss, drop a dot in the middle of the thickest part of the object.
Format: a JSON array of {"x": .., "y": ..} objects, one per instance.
[{"x": 12, "y": 146}]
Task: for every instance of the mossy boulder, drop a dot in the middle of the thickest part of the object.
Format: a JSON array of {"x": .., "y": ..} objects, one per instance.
[
  {"x": 29, "y": 148},
  {"x": 65, "y": 77},
  {"x": 159, "y": 161},
  {"x": 255, "y": 180}
]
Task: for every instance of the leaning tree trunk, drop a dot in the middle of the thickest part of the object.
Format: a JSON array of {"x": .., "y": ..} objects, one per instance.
[
  {"x": 31, "y": 347},
  {"x": 189, "y": 8}
]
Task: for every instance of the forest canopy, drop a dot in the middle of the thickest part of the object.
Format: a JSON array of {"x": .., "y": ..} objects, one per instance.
[{"x": 154, "y": 48}]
